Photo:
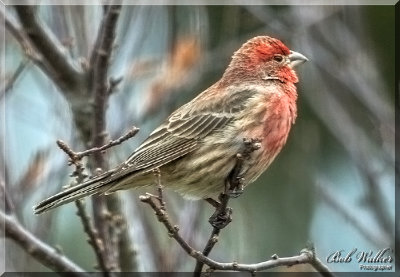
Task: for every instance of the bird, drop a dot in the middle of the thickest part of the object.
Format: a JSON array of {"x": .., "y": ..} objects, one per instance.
[{"x": 194, "y": 149}]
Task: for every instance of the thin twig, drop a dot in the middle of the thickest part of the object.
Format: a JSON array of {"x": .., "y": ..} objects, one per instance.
[
  {"x": 76, "y": 157},
  {"x": 71, "y": 154},
  {"x": 131, "y": 133},
  {"x": 113, "y": 85},
  {"x": 94, "y": 240},
  {"x": 207, "y": 249},
  {"x": 157, "y": 173},
  {"x": 162, "y": 216},
  {"x": 39, "y": 250},
  {"x": 73, "y": 159},
  {"x": 306, "y": 256}
]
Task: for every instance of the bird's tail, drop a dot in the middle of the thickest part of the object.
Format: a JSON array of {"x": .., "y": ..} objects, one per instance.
[{"x": 90, "y": 187}]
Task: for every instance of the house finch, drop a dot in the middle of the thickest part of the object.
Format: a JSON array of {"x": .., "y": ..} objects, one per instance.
[{"x": 196, "y": 146}]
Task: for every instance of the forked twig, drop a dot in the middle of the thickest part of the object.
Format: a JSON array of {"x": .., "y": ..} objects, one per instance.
[
  {"x": 306, "y": 256},
  {"x": 76, "y": 158},
  {"x": 94, "y": 239}
]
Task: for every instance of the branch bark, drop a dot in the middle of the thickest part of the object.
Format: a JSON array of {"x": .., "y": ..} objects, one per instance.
[
  {"x": 306, "y": 256},
  {"x": 39, "y": 250},
  {"x": 99, "y": 85},
  {"x": 55, "y": 62},
  {"x": 81, "y": 87},
  {"x": 46, "y": 51},
  {"x": 15, "y": 30},
  {"x": 94, "y": 240},
  {"x": 126, "y": 251}
]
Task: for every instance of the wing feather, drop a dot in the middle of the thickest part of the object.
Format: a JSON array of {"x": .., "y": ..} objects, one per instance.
[{"x": 181, "y": 134}]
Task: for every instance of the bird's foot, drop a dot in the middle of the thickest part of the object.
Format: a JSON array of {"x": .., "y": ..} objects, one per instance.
[
  {"x": 220, "y": 219},
  {"x": 236, "y": 190},
  {"x": 250, "y": 145},
  {"x": 213, "y": 203}
]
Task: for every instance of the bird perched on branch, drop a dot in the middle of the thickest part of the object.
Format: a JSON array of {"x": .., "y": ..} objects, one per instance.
[{"x": 196, "y": 146}]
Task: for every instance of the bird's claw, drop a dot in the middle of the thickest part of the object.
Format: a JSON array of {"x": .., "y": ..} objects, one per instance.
[
  {"x": 236, "y": 188},
  {"x": 236, "y": 191},
  {"x": 220, "y": 219}
]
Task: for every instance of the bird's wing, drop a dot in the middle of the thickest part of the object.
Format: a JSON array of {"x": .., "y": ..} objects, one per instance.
[{"x": 181, "y": 134}]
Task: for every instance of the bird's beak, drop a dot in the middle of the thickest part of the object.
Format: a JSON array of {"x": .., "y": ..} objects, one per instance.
[{"x": 296, "y": 59}]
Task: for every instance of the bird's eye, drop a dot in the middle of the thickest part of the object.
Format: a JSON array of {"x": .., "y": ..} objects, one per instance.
[{"x": 278, "y": 58}]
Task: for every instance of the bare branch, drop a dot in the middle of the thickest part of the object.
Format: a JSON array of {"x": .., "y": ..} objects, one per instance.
[
  {"x": 306, "y": 256},
  {"x": 126, "y": 255},
  {"x": 43, "y": 253},
  {"x": 99, "y": 64},
  {"x": 94, "y": 240},
  {"x": 55, "y": 62},
  {"x": 162, "y": 216},
  {"x": 207, "y": 250},
  {"x": 113, "y": 84},
  {"x": 100, "y": 61},
  {"x": 73, "y": 159},
  {"x": 19, "y": 35},
  {"x": 105, "y": 38}
]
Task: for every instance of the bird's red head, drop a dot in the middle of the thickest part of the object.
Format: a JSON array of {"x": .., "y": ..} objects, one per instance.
[
  {"x": 264, "y": 58},
  {"x": 264, "y": 49}
]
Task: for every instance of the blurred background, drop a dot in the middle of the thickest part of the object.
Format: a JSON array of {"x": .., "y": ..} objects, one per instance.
[{"x": 332, "y": 185}]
